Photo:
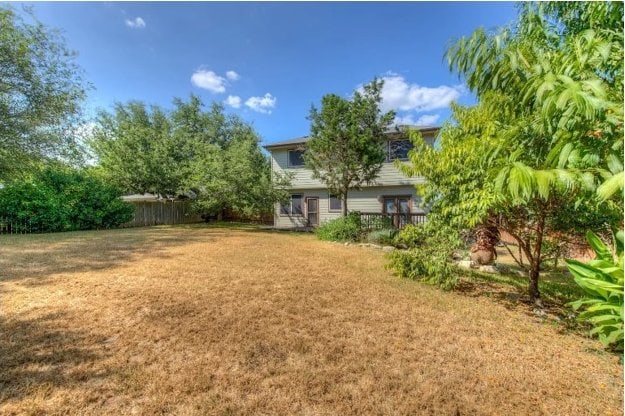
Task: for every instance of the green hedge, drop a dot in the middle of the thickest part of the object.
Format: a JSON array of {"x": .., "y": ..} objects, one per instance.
[{"x": 60, "y": 198}]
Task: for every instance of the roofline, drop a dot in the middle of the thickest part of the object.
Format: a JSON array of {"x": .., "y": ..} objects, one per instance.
[{"x": 302, "y": 140}]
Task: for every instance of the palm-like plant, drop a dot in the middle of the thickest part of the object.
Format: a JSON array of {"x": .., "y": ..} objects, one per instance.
[{"x": 602, "y": 280}]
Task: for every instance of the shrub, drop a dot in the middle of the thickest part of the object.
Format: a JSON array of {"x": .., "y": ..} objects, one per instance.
[
  {"x": 430, "y": 254},
  {"x": 384, "y": 236},
  {"x": 347, "y": 228},
  {"x": 60, "y": 198},
  {"x": 602, "y": 280}
]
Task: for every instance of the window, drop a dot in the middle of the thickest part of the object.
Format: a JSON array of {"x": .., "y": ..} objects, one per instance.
[
  {"x": 398, "y": 149},
  {"x": 396, "y": 205},
  {"x": 334, "y": 203},
  {"x": 296, "y": 158},
  {"x": 292, "y": 207}
]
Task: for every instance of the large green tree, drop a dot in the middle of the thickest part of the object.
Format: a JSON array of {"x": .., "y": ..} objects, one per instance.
[
  {"x": 136, "y": 150},
  {"x": 236, "y": 176},
  {"x": 41, "y": 91},
  {"x": 212, "y": 156},
  {"x": 345, "y": 150},
  {"x": 544, "y": 145},
  {"x": 559, "y": 76}
]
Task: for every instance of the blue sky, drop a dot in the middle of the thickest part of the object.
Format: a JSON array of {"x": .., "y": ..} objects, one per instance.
[{"x": 268, "y": 62}]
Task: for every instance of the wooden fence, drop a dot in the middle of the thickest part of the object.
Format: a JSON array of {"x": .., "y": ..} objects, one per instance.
[
  {"x": 162, "y": 212},
  {"x": 378, "y": 220},
  {"x": 14, "y": 226}
]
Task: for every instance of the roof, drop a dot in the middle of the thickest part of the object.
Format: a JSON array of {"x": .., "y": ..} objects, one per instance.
[{"x": 395, "y": 129}]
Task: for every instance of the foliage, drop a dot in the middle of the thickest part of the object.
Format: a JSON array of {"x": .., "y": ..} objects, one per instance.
[
  {"x": 547, "y": 129},
  {"x": 602, "y": 281},
  {"x": 429, "y": 256},
  {"x": 137, "y": 151},
  {"x": 348, "y": 228},
  {"x": 236, "y": 176},
  {"x": 347, "y": 136},
  {"x": 384, "y": 236},
  {"x": 209, "y": 155},
  {"x": 41, "y": 89},
  {"x": 561, "y": 71},
  {"x": 59, "y": 198}
]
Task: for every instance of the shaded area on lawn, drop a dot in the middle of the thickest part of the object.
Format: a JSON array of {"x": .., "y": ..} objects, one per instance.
[
  {"x": 40, "y": 354},
  {"x": 23, "y": 258}
]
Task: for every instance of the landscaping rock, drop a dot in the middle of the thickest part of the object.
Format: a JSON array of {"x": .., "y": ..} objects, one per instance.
[
  {"x": 376, "y": 246},
  {"x": 388, "y": 248},
  {"x": 465, "y": 264},
  {"x": 489, "y": 269}
]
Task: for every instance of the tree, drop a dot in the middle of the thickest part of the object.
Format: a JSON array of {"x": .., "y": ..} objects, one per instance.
[
  {"x": 189, "y": 151},
  {"x": 136, "y": 149},
  {"x": 236, "y": 178},
  {"x": 345, "y": 150},
  {"x": 41, "y": 90},
  {"x": 552, "y": 87}
]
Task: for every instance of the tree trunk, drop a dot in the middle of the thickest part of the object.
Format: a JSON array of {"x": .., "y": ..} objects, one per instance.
[
  {"x": 537, "y": 260},
  {"x": 533, "y": 286},
  {"x": 344, "y": 200}
]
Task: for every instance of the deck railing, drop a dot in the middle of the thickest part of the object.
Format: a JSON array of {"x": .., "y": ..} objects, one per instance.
[{"x": 379, "y": 220}]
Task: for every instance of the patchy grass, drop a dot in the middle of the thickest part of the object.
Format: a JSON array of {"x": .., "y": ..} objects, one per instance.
[
  {"x": 557, "y": 287},
  {"x": 196, "y": 320}
]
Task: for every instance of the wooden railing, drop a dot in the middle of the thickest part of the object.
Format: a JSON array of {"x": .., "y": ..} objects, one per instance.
[{"x": 378, "y": 220}]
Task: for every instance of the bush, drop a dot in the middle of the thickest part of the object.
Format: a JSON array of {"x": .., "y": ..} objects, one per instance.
[
  {"x": 602, "y": 280},
  {"x": 347, "y": 228},
  {"x": 383, "y": 236},
  {"x": 430, "y": 254},
  {"x": 60, "y": 198}
]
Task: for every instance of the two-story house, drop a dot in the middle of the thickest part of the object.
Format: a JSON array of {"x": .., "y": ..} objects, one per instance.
[{"x": 311, "y": 204}]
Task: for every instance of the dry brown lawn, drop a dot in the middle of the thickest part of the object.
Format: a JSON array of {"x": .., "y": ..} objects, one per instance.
[{"x": 199, "y": 320}]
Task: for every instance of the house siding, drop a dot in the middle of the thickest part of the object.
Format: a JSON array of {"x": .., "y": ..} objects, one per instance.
[
  {"x": 389, "y": 182},
  {"x": 302, "y": 178},
  {"x": 366, "y": 200}
]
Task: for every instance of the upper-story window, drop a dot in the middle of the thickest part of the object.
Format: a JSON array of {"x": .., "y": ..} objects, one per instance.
[
  {"x": 296, "y": 158},
  {"x": 398, "y": 149}
]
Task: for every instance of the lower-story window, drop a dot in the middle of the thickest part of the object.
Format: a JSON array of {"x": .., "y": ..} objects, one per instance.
[
  {"x": 334, "y": 203},
  {"x": 293, "y": 206}
]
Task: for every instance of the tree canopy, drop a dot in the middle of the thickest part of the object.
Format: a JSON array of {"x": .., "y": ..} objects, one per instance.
[
  {"x": 213, "y": 157},
  {"x": 345, "y": 150},
  {"x": 41, "y": 90},
  {"x": 543, "y": 147}
]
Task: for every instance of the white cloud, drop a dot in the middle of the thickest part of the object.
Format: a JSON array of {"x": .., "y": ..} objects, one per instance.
[
  {"x": 136, "y": 23},
  {"x": 233, "y": 101},
  {"x": 232, "y": 76},
  {"x": 208, "y": 80},
  {"x": 423, "y": 121},
  {"x": 262, "y": 104},
  {"x": 399, "y": 95},
  {"x": 427, "y": 120}
]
